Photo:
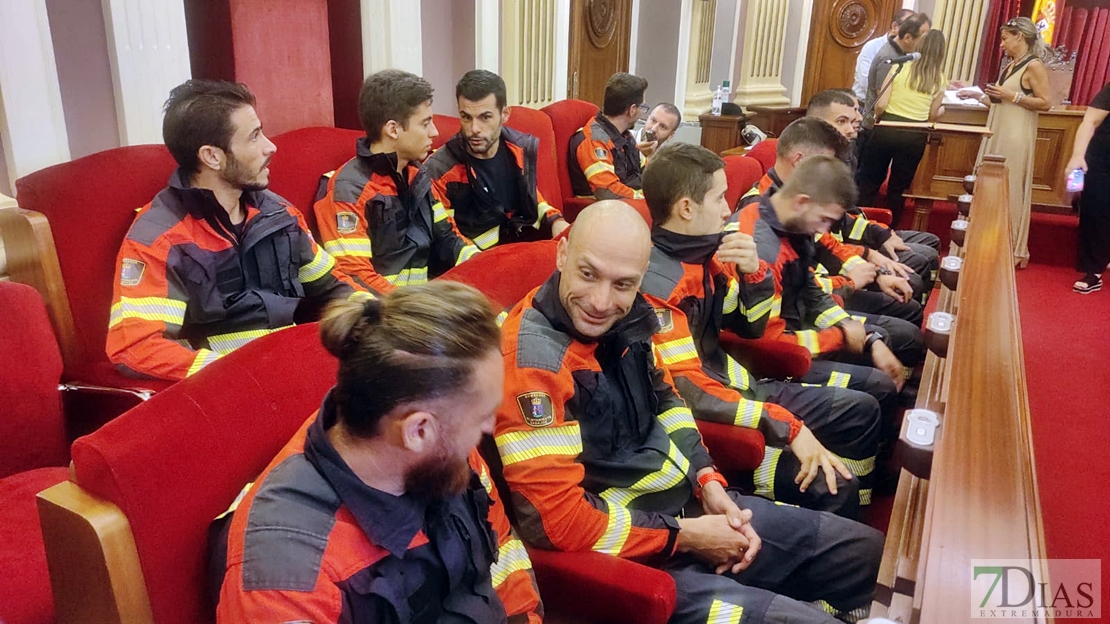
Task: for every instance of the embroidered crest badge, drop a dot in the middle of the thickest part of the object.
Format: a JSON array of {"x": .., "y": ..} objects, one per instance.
[
  {"x": 132, "y": 272},
  {"x": 663, "y": 315},
  {"x": 601, "y": 153},
  {"x": 346, "y": 222},
  {"x": 536, "y": 408}
]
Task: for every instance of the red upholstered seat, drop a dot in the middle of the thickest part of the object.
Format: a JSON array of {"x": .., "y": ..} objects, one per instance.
[
  {"x": 25, "y": 596},
  {"x": 567, "y": 116},
  {"x": 90, "y": 203},
  {"x": 176, "y": 461},
  {"x": 506, "y": 273},
  {"x": 537, "y": 124},
  {"x": 742, "y": 173},
  {"x": 447, "y": 126},
  {"x": 302, "y": 157},
  {"x": 764, "y": 152}
]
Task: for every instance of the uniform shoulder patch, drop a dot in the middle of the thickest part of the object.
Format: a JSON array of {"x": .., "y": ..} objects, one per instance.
[
  {"x": 663, "y": 315},
  {"x": 536, "y": 408},
  {"x": 346, "y": 222},
  {"x": 132, "y": 272},
  {"x": 601, "y": 153}
]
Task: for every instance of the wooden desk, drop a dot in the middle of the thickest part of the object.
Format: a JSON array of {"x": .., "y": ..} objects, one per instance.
[
  {"x": 774, "y": 119},
  {"x": 721, "y": 132},
  {"x": 980, "y": 500}
]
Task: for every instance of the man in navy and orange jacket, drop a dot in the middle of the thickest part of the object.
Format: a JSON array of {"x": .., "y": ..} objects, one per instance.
[
  {"x": 380, "y": 510},
  {"x": 215, "y": 260},
  {"x": 486, "y": 175},
  {"x": 378, "y": 216},
  {"x": 601, "y": 454},
  {"x": 603, "y": 159}
]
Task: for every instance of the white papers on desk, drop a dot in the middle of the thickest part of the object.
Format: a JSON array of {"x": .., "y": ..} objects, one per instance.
[{"x": 951, "y": 99}]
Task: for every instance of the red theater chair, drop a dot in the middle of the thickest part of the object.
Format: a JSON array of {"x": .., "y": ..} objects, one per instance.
[
  {"x": 742, "y": 173},
  {"x": 447, "y": 126},
  {"x": 33, "y": 450},
  {"x": 537, "y": 124},
  {"x": 302, "y": 157},
  {"x": 567, "y": 116}
]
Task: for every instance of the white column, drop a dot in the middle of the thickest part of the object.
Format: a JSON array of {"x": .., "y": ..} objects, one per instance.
[
  {"x": 682, "y": 70},
  {"x": 391, "y": 36},
  {"x": 487, "y": 35},
  {"x": 699, "y": 96},
  {"x": 149, "y": 54},
  {"x": 535, "y": 41},
  {"x": 31, "y": 119},
  {"x": 760, "y": 79}
]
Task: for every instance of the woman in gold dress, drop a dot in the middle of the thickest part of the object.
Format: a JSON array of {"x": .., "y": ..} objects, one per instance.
[{"x": 1021, "y": 92}]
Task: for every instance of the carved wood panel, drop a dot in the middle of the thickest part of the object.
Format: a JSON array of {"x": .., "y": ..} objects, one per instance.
[
  {"x": 599, "y": 38},
  {"x": 838, "y": 31}
]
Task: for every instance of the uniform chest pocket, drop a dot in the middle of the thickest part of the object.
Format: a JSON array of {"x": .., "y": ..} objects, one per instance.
[
  {"x": 275, "y": 262},
  {"x": 388, "y": 222}
]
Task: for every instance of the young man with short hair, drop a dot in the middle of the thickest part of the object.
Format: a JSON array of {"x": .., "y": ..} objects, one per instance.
[
  {"x": 603, "y": 159},
  {"x": 214, "y": 260},
  {"x": 487, "y": 174},
  {"x": 378, "y": 216}
]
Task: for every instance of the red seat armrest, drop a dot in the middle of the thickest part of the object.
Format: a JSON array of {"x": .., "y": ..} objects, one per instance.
[
  {"x": 733, "y": 449},
  {"x": 767, "y": 358},
  {"x": 882, "y": 215},
  {"x": 598, "y": 588}
]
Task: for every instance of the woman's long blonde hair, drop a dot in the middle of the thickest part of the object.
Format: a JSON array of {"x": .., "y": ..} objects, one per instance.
[
  {"x": 1026, "y": 29},
  {"x": 926, "y": 73}
]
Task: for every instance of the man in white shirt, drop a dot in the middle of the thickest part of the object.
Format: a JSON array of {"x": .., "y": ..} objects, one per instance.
[{"x": 871, "y": 48}]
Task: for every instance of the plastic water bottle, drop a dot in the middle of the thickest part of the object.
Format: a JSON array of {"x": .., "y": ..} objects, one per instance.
[
  {"x": 718, "y": 99},
  {"x": 726, "y": 91}
]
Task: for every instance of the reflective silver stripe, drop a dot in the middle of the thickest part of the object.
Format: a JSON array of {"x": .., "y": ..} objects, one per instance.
[
  {"x": 851, "y": 263},
  {"x": 483, "y": 478},
  {"x": 721, "y": 612},
  {"x": 408, "y": 277},
  {"x": 738, "y": 376},
  {"x": 732, "y": 226},
  {"x": 439, "y": 213},
  {"x": 670, "y": 474},
  {"x": 865, "y": 496},
  {"x": 225, "y": 343},
  {"x": 830, "y": 317},
  {"x": 764, "y": 477},
  {"x": 859, "y": 467},
  {"x": 825, "y": 282},
  {"x": 354, "y": 247},
  {"x": 361, "y": 296},
  {"x": 489, "y": 238},
  {"x": 748, "y": 413},
  {"x": 618, "y": 524},
  {"x": 858, "y": 228},
  {"x": 511, "y": 557},
  {"x": 637, "y": 194},
  {"x": 597, "y": 168},
  {"x": 732, "y": 297},
  {"x": 518, "y": 446},
  {"x": 677, "y": 418},
  {"x": 204, "y": 358},
  {"x": 466, "y": 253},
  {"x": 169, "y": 311},
  {"x": 838, "y": 379},
  {"x": 678, "y": 350},
  {"x": 760, "y": 309},
  {"x": 808, "y": 339},
  {"x": 321, "y": 265}
]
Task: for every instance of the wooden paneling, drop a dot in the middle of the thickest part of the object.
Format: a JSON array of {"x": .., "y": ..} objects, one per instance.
[
  {"x": 839, "y": 30},
  {"x": 721, "y": 132},
  {"x": 599, "y": 38}
]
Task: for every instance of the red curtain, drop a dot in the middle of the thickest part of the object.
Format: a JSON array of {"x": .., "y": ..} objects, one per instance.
[
  {"x": 999, "y": 12},
  {"x": 1087, "y": 34}
]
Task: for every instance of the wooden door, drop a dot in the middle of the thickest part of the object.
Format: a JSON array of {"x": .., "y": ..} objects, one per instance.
[
  {"x": 599, "y": 38},
  {"x": 839, "y": 30}
]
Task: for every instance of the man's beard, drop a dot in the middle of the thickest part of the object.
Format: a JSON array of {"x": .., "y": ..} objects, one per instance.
[
  {"x": 236, "y": 175},
  {"x": 438, "y": 477},
  {"x": 486, "y": 146}
]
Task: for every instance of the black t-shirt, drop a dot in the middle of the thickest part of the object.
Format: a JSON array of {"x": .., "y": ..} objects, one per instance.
[
  {"x": 501, "y": 178},
  {"x": 1099, "y": 148}
]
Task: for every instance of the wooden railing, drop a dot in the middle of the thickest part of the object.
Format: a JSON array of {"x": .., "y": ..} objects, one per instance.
[{"x": 979, "y": 501}]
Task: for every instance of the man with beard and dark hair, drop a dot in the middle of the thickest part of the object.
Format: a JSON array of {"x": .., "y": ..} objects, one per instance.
[
  {"x": 380, "y": 510},
  {"x": 487, "y": 173},
  {"x": 215, "y": 260}
]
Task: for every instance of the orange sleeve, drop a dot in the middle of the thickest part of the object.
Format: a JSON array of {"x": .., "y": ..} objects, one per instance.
[
  {"x": 595, "y": 158},
  {"x": 323, "y": 605},
  {"x": 345, "y": 238}
]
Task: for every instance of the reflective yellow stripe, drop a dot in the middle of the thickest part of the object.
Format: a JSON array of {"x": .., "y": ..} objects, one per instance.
[
  {"x": 511, "y": 557},
  {"x": 483, "y": 478},
  {"x": 637, "y": 194},
  {"x": 865, "y": 497},
  {"x": 543, "y": 209},
  {"x": 489, "y": 238},
  {"x": 808, "y": 339},
  {"x": 408, "y": 277},
  {"x": 466, "y": 253},
  {"x": 851, "y": 263},
  {"x": 225, "y": 343},
  {"x": 678, "y": 350},
  {"x": 501, "y": 318},
  {"x": 677, "y": 418},
  {"x": 518, "y": 446},
  {"x": 670, "y": 474},
  {"x": 354, "y": 247},
  {"x": 597, "y": 168},
  {"x": 439, "y": 213},
  {"x": 760, "y": 309},
  {"x": 831, "y": 317},
  {"x": 748, "y": 413},
  {"x": 732, "y": 226},
  {"x": 235, "y": 503},
  {"x": 724, "y": 613},
  {"x": 204, "y": 358},
  {"x": 617, "y": 526},
  {"x": 824, "y": 282},
  {"x": 855, "y": 615},
  {"x": 169, "y": 311},
  {"x": 764, "y": 477},
  {"x": 860, "y": 467},
  {"x": 361, "y": 296},
  {"x": 838, "y": 379},
  {"x": 738, "y": 376},
  {"x": 858, "y": 228},
  {"x": 321, "y": 265},
  {"x": 732, "y": 297}
]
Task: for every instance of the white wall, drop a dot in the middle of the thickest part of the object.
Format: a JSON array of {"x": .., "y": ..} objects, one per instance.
[
  {"x": 723, "y": 25},
  {"x": 657, "y": 48},
  {"x": 447, "y": 29},
  {"x": 5, "y": 185}
]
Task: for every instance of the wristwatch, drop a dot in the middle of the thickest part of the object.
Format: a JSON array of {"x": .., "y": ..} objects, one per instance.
[
  {"x": 872, "y": 338},
  {"x": 884, "y": 271},
  {"x": 704, "y": 480}
]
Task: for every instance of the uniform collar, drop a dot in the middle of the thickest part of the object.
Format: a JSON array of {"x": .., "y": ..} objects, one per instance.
[
  {"x": 776, "y": 181},
  {"x": 614, "y": 134},
  {"x": 202, "y": 202},
  {"x": 639, "y": 324},
  {"x": 383, "y": 163},
  {"x": 389, "y": 521},
  {"x": 686, "y": 248}
]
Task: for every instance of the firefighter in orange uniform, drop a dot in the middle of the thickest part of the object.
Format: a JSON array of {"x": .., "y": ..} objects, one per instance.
[
  {"x": 215, "y": 260},
  {"x": 603, "y": 159},
  {"x": 380, "y": 510}
]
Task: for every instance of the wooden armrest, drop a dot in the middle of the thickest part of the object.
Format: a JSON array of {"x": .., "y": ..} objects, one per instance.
[{"x": 767, "y": 358}]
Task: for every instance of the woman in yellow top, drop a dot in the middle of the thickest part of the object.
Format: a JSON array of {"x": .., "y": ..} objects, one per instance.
[{"x": 911, "y": 95}]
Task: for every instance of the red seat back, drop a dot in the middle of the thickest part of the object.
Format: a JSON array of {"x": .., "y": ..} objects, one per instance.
[
  {"x": 506, "y": 273},
  {"x": 32, "y": 429},
  {"x": 302, "y": 157},
  {"x": 765, "y": 153},
  {"x": 448, "y": 127},
  {"x": 175, "y": 462},
  {"x": 90, "y": 203},
  {"x": 535, "y": 123},
  {"x": 567, "y": 116},
  {"x": 742, "y": 173}
]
